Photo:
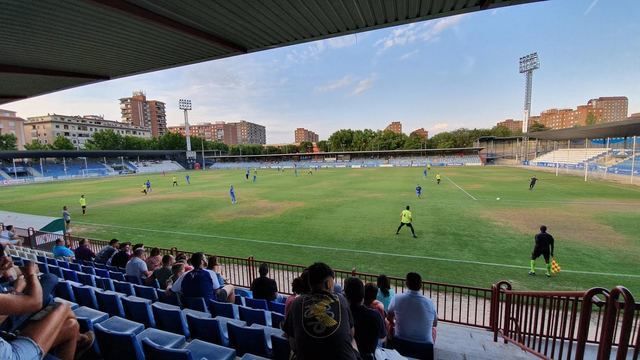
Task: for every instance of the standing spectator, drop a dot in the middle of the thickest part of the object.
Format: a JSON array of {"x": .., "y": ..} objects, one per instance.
[
  {"x": 369, "y": 325},
  {"x": 60, "y": 251},
  {"x": 412, "y": 316},
  {"x": 176, "y": 272},
  {"x": 319, "y": 324},
  {"x": 83, "y": 252},
  {"x": 370, "y": 293},
  {"x": 67, "y": 218},
  {"x": 163, "y": 273},
  {"x": 264, "y": 287},
  {"x": 120, "y": 258},
  {"x": 8, "y": 237},
  {"x": 201, "y": 282},
  {"x": 385, "y": 293},
  {"x": 137, "y": 266},
  {"x": 298, "y": 286},
  {"x": 155, "y": 260},
  {"x": 107, "y": 252}
]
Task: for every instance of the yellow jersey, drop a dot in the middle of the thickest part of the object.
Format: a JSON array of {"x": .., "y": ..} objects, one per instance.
[
  {"x": 83, "y": 202},
  {"x": 438, "y": 177},
  {"x": 406, "y": 216}
]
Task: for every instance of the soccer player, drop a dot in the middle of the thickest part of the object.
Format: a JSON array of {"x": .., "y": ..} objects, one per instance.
[
  {"x": 148, "y": 184},
  {"x": 544, "y": 247},
  {"x": 255, "y": 176},
  {"x": 232, "y": 194},
  {"x": 67, "y": 217},
  {"x": 424, "y": 173},
  {"x": 83, "y": 204},
  {"x": 246, "y": 175},
  {"x": 428, "y": 166},
  {"x": 405, "y": 220},
  {"x": 438, "y": 179},
  {"x": 419, "y": 191},
  {"x": 532, "y": 184},
  {"x": 175, "y": 181},
  {"x": 144, "y": 188},
  {"x": 188, "y": 178}
]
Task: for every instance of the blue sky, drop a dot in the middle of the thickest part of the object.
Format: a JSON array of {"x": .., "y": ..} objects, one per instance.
[{"x": 441, "y": 75}]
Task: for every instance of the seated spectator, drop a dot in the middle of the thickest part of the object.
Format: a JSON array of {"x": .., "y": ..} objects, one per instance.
[
  {"x": 163, "y": 273},
  {"x": 385, "y": 293},
  {"x": 83, "y": 252},
  {"x": 298, "y": 286},
  {"x": 107, "y": 252},
  {"x": 8, "y": 237},
  {"x": 176, "y": 272},
  {"x": 370, "y": 328},
  {"x": 370, "y": 293},
  {"x": 212, "y": 264},
  {"x": 61, "y": 251},
  {"x": 181, "y": 257},
  {"x": 201, "y": 282},
  {"x": 136, "y": 247},
  {"x": 58, "y": 332},
  {"x": 155, "y": 260},
  {"x": 264, "y": 287},
  {"x": 137, "y": 266},
  {"x": 319, "y": 324},
  {"x": 412, "y": 316},
  {"x": 121, "y": 257}
]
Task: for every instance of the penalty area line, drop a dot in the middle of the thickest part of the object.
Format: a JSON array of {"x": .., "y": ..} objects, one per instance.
[
  {"x": 463, "y": 190},
  {"x": 369, "y": 252}
]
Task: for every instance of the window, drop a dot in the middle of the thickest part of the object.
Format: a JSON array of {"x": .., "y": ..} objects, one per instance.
[
  {"x": 57, "y": 126},
  {"x": 66, "y": 127}
]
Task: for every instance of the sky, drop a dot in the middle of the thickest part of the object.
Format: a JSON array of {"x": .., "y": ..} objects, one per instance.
[{"x": 443, "y": 74}]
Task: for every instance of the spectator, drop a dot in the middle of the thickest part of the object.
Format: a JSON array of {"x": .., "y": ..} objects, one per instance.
[
  {"x": 201, "y": 282},
  {"x": 107, "y": 252},
  {"x": 213, "y": 265},
  {"x": 58, "y": 329},
  {"x": 181, "y": 257},
  {"x": 155, "y": 260},
  {"x": 370, "y": 293},
  {"x": 319, "y": 325},
  {"x": 369, "y": 325},
  {"x": 412, "y": 316},
  {"x": 137, "y": 266},
  {"x": 163, "y": 273},
  {"x": 120, "y": 258},
  {"x": 61, "y": 251},
  {"x": 264, "y": 287},
  {"x": 385, "y": 293},
  {"x": 298, "y": 286},
  {"x": 83, "y": 252},
  {"x": 8, "y": 237},
  {"x": 176, "y": 272},
  {"x": 136, "y": 247}
]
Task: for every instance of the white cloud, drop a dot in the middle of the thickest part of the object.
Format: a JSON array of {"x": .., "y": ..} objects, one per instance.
[
  {"x": 591, "y": 6},
  {"x": 363, "y": 85},
  {"x": 313, "y": 50},
  {"x": 411, "y": 33},
  {"x": 336, "y": 84},
  {"x": 437, "y": 128},
  {"x": 342, "y": 41},
  {"x": 409, "y": 54}
]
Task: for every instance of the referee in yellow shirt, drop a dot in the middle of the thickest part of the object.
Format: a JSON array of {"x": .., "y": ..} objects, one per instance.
[
  {"x": 405, "y": 220},
  {"x": 83, "y": 204}
]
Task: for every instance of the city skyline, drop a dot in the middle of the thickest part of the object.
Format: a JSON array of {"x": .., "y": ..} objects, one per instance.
[{"x": 443, "y": 74}]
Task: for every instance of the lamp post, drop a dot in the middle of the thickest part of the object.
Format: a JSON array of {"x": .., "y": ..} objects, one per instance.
[
  {"x": 528, "y": 63},
  {"x": 185, "y": 105}
]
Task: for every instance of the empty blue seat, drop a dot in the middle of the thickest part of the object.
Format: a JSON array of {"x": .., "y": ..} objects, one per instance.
[
  {"x": 248, "y": 340},
  {"x": 133, "y": 279},
  {"x": 138, "y": 310},
  {"x": 110, "y": 302},
  {"x": 276, "y": 306},
  {"x": 69, "y": 274},
  {"x": 195, "y": 350},
  {"x": 42, "y": 267},
  {"x": 85, "y": 296},
  {"x": 87, "y": 263},
  {"x": 239, "y": 300},
  {"x": 113, "y": 268},
  {"x": 224, "y": 329},
  {"x": 87, "y": 318},
  {"x": 86, "y": 279},
  {"x": 412, "y": 349},
  {"x": 276, "y": 319},
  {"x": 55, "y": 271},
  {"x": 280, "y": 348},
  {"x": 116, "y": 275},
  {"x": 253, "y": 357},
  {"x": 88, "y": 270},
  {"x": 102, "y": 273},
  {"x": 146, "y": 292},
  {"x": 162, "y": 338},
  {"x": 42, "y": 259},
  {"x": 243, "y": 292},
  {"x": 117, "y": 339},
  {"x": 167, "y": 298},
  {"x": 206, "y": 329},
  {"x": 170, "y": 318},
  {"x": 223, "y": 309},
  {"x": 75, "y": 267},
  {"x": 105, "y": 283},
  {"x": 252, "y": 316},
  {"x": 124, "y": 287},
  {"x": 100, "y": 266},
  {"x": 72, "y": 305},
  {"x": 63, "y": 264},
  {"x": 63, "y": 290},
  {"x": 196, "y": 303},
  {"x": 256, "y": 303}
]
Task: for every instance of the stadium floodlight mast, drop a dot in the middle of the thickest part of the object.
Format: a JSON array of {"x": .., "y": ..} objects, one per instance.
[
  {"x": 528, "y": 63},
  {"x": 185, "y": 105}
]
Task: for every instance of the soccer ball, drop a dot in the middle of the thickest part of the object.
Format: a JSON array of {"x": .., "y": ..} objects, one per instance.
[{"x": 497, "y": 198}]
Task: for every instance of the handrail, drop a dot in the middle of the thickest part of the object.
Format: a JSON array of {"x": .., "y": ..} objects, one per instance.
[
  {"x": 585, "y": 319},
  {"x": 604, "y": 351}
]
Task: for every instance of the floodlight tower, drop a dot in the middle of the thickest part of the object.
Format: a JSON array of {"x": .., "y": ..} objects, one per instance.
[
  {"x": 185, "y": 105},
  {"x": 528, "y": 63}
]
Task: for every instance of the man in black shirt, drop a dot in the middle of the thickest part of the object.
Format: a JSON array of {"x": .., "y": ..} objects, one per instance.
[
  {"x": 533, "y": 182},
  {"x": 263, "y": 287},
  {"x": 319, "y": 325},
  {"x": 368, "y": 324},
  {"x": 544, "y": 247}
]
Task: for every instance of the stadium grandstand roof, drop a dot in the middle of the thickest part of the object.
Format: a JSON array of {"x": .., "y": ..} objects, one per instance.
[
  {"x": 35, "y": 154},
  {"x": 365, "y": 152},
  {"x": 624, "y": 128},
  {"x": 50, "y": 45}
]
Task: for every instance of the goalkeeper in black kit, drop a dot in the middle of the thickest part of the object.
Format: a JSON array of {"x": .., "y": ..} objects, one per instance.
[{"x": 544, "y": 247}]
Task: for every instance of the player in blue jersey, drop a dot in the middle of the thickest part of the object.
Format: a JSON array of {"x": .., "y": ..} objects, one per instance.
[
  {"x": 148, "y": 184},
  {"x": 232, "y": 194},
  {"x": 188, "y": 178},
  {"x": 419, "y": 191},
  {"x": 424, "y": 173}
]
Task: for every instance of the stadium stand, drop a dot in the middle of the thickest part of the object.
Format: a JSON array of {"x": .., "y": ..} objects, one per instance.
[
  {"x": 155, "y": 166},
  {"x": 570, "y": 156},
  {"x": 626, "y": 166}
]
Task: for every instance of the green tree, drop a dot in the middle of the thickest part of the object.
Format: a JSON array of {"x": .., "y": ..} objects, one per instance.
[
  {"x": 536, "y": 126},
  {"x": 8, "y": 142},
  {"x": 323, "y": 145},
  {"x": 172, "y": 141},
  {"x": 341, "y": 140},
  {"x": 415, "y": 141},
  {"x": 501, "y": 131},
  {"x": 62, "y": 143},
  {"x": 306, "y": 147},
  {"x": 36, "y": 145},
  {"x": 591, "y": 119},
  {"x": 105, "y": 140}
]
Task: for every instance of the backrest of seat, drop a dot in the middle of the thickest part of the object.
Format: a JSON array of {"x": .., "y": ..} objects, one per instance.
[
  {"x": 110, "y": 303},
  {"x": 196, "y": 303},
  {"x": 55, "y": 270},
  {"x": 85, "y": 296},
  {"x": 86, "y": 279},
  {"x": 69, "y": 274},
  {"x": 75, "y": 266},
  {"x": 276, "y": 306},
  {"x": 139, "y": 310},
  {"x": 247, "y": 340},
  {"x": 170, "y": 318},
  {"x": 276, "y": 319},
  {"x": 88, "y": 270},
  {"x": 146, "y": 292},
  {"x": 252, "y": 316},
  {"x": 115, "y": 275},
  {"x": 280, "y": 348},
  {"x": 204, "y": 329},
  {"x": 221, "y": 309},
  {"x": 124, "y": 287},
  {"x": 117, "y": 345},
  {"x": 157, "y": 352},
  {"x": 133, "y": 279},
  {"x": 256, "y": 303},
  {"x": 63, "y": 290}
]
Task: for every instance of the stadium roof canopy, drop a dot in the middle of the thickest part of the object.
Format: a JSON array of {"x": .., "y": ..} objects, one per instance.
[
  {"x": 625, "y": 128},
  {"x": 50, "y": 45},
  {"x": 36, "y": 154}
]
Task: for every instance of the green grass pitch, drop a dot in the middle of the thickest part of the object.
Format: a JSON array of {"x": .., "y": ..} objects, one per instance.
[{"x": 348, "y": 218}]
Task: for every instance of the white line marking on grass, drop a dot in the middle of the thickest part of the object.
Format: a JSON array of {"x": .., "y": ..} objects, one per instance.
[
  {"x": 351, "y": 250},
  {"x": 463, "y": 190},
  {"x": 566, "y": 202}
]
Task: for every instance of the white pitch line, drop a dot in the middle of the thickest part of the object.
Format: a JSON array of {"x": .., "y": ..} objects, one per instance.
[
  {"x": 463, "y": 190},
  {"x": 352, "y": 250}
]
